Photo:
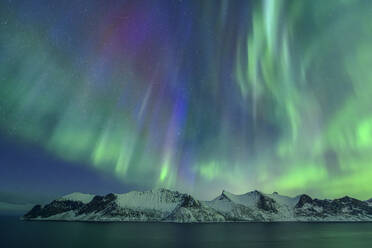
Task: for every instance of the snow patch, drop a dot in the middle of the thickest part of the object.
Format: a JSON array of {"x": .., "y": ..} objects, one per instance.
[
  {"x": 159, "y": 199},
  {"x": 77, "y": 196}
]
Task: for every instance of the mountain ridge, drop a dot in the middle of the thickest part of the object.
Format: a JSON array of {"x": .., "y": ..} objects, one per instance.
[{"x": 164, "y": 205}]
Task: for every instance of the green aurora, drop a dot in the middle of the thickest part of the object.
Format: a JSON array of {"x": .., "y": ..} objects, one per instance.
[{"x": 240, "y": 95}]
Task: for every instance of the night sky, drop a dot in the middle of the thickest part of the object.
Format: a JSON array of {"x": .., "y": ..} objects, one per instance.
[{"x": 197, "y": 96}]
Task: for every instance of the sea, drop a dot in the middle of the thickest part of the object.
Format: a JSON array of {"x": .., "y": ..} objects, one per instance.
[{"x": 38, "y": 234}]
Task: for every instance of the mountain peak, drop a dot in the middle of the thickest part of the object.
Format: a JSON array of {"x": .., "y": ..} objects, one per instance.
[
  {"x": 254, "y": 192},
  {"x": 77, "y": 196},
  {"x": 225, "y": 195},
  {"x": 225, "y": 192},
  {"x": 161, "y": 190},
  {"x": 303, "y": 200}
]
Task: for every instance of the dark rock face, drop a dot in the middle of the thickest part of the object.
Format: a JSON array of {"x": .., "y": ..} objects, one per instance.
[
  {"x": 190, "y": 202},
  {"x": 303, "y": 200},
  {"x": 224, "y": 196},
  {"x": 241, "y": 213},
  {"x": 191, "y": 210},
  {"x": 353, "y": 205},
  {"x": 267, "y": 204},
  {"x": 53, "y": 208},
  {"x": 133, "y": 214},
  {"x": 35, "y": 212},
  {"x": 99, "y": 203},
  {"x": 323, "y": 208}
]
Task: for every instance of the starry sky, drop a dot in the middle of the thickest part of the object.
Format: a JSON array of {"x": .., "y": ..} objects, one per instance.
[{"x": 192, "y": 95}]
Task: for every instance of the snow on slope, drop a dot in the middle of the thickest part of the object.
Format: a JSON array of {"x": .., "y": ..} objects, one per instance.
[
  {"x": 227, "y": 204},
  {"x": 285, "y": 205},
  {"x": 228, "y": 201},
  {"x": 284, "y": 200},
  {"x": 247, "y": 206},
  {"x": 158, "y": 199},
  {"x": 77, "y": 196},
  {"x": 239, "y": 207},
  {"x": 172, "y": 206},
  {"x": 249, "y": 199},
  {"x": 222, "y": 203}
]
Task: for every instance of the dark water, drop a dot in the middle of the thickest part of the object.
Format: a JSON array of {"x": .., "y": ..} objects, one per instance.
[{"x": 16, "y": 233}]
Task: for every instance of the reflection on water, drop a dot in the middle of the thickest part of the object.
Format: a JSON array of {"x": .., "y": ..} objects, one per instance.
[{"x": 16, "y": 233}]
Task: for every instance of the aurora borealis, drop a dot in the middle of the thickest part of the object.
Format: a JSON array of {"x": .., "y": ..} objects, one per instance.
[{"x": 197, "y": 96}]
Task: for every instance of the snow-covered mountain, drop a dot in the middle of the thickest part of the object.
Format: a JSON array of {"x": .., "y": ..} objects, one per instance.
[
  {"x": 154, "y": 205},
  {"x": 172, "y": 206}
]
